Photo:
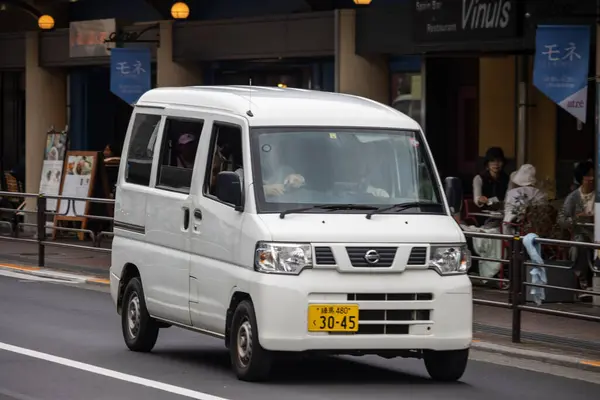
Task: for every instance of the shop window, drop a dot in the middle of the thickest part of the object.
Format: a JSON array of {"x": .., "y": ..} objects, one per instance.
[
  {"x": 406, "y": 94},
  {"x": 225, "y": 154},
  {"x": 141, "y": 148},
  {"x": 178, "y": 154}
]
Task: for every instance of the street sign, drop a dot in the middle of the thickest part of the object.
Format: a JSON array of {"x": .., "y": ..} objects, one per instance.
[
  {"x": 561, "y": 64},
  {"x": 130, "y": 73}
]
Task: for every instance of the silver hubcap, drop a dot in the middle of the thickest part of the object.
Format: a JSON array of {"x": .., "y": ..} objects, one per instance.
[
  {"x": 244, "y": 343},
  {"x": 133, "y": 316}
]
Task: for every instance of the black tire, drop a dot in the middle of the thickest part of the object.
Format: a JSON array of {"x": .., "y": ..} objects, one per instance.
[
  {"x": 446, "y": 366},
  {"x": 140, "y": 331},
  {"x": 249, "y": 360}
]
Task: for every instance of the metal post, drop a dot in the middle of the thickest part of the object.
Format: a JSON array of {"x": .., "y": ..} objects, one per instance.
[
  {"x": 597, "y": 155},
  {"x": 511, "y": 275},
  {"x": 523, "y": 76},
  {"x": 516, "y": 287},
  {"x": 41, "y": 229}
]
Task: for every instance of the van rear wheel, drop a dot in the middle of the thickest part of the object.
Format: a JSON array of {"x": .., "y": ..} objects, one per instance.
[
  {"x": 446, "y": 366},
  {"x": 140, "y": 330},
  {"x": 249, "y": 360}
]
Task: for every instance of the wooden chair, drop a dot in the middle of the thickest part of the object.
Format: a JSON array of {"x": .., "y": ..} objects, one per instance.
[
  {"x": 14, "y": 186},
  {"x": 468, "y": 208},
  {"x": 17, "y": 203}
]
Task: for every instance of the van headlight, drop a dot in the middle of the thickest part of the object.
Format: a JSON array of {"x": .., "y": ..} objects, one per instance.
[
  {"x": 450, "y": 260},
  {"x": 282, "y": 258}
]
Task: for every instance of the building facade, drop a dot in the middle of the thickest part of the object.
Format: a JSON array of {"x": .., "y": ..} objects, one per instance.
[
  {"x": 468, "y": 84},
  {"x": 477, "y": 81}
]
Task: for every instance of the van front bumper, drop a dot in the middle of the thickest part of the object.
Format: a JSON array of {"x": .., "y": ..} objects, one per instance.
[{"x": 281, "y": 306}]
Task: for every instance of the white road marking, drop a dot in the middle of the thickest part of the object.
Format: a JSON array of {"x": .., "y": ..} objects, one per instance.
[
  {"x": 110, "y": 373},
  {"x": 31, "y": 277}
]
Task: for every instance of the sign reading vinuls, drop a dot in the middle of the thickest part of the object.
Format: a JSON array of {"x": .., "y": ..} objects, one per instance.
[{"x": 464, "y": 20}]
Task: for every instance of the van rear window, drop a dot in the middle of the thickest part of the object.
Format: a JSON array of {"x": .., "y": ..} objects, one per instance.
[{"x": 141, "y": 148}]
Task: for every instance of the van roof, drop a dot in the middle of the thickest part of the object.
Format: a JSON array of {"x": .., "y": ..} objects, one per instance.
[{"x": 273, "y": 106}]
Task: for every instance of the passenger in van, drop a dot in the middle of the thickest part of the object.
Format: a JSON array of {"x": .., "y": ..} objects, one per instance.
[
  {"x": 271, "y": 186},
  {"x": 186, "y": 150},
  {"x": 370, "y": 170}
]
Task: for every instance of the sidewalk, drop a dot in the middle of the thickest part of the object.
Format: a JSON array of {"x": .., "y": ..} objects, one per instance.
[
  {"x": 538, "y": 328},
  {"x": 565, "y": 356},
  {"x": 61, "y": 258}
]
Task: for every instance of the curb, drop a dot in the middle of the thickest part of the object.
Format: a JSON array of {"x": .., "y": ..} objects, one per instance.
[
  {"x": 49, "y": 273},
  {"x": 97, "y": 281},
  {"x": 549, "y": 358}
]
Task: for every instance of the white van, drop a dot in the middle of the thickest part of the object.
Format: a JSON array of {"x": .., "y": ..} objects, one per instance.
[{"x": 288, "y": 221}]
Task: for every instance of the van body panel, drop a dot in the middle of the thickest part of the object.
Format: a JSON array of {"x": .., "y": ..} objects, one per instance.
[
  {"x": 282, "y": 304},
  {"x": 215, "y": 236},
  {"x": 283, "y": 107},
  {"x": 381, "y": 228},
  {"x": 167, "y": 267},
  {"x": 215, "y": 241},
  {"x": 131, "y": 199}
]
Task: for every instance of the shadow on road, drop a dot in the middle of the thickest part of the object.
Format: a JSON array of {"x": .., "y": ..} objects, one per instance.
[{"x": 312, "y": 370}]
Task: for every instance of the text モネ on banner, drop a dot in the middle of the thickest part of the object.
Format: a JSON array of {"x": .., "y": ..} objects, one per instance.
[
  {"x": 560, "y": 71},
  {"x": 130, "y": 73}
]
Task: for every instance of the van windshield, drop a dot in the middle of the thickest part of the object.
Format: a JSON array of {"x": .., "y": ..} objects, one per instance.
[{"x": 304, "y": 167}]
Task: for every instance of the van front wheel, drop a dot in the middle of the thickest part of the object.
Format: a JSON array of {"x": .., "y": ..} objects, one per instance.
[
  {"x": 249, "y": 360},
  {"x": 446, "y": 366},
  {"x": 140, "y": 330}
]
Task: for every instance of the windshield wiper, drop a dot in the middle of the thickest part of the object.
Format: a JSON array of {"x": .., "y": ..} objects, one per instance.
[
  {"x": 330, "y": 207},
  {"x": 402, "y": 206}
]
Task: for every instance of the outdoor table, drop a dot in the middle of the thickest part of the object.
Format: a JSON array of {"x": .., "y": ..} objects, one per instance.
[{"x": 492, "y": 215}]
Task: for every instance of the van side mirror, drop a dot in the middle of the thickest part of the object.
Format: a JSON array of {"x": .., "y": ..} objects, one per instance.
[
  {"x": 229, "y": 190},
  {"x": 454, "y": 193}
]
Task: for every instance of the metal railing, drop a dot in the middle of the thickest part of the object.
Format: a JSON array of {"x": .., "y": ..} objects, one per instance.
[
  {"x": 516, "y": 261},
  {"x": 42, "y": 213},
  {"x": 517, "y": 279}
]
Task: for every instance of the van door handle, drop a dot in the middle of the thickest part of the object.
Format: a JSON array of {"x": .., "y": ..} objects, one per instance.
[
  {"x": 198, "y": 214},
  {"x": 186, "y": 218}
]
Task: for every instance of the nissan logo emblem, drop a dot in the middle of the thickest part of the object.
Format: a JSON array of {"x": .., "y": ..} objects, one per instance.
[{"x": 372, "y": 257}]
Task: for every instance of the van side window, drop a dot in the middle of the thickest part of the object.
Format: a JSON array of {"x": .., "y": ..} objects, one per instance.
[
  {"x": 178, "y": 154},
  {"x": 141, "y": 148},
  {"x": 225, "y": 154}
]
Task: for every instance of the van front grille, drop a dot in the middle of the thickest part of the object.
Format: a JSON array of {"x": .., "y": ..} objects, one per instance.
[
  {"x": 390, "y": 296},
  {"x": 385, "y": 256},
  {"x": 394, "y": 315},
  {"x": 324, "y": 256},
  {"x": 418, "y": 256},
  {"x": 383, "y": 330},
  {"x": 385, "y": 316}
]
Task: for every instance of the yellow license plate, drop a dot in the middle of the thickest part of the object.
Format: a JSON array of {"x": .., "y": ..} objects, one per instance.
[{"x": 333, "y": 318}]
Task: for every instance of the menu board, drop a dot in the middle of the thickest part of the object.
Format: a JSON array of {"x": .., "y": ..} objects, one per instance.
[
  {"x": 78, "y": 182},
  {"x": 52, "y": 167}
]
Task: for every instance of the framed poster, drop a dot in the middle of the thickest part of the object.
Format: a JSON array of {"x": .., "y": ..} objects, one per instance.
[
  {"x": 52, "y": 166},
  {"x": 84, "y": 176},
  {"x": 79, "y": 176}
]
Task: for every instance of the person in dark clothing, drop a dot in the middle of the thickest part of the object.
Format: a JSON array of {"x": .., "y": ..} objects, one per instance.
[{"x": 492, "y": 182}]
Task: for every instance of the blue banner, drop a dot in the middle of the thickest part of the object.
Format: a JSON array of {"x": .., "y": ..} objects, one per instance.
[
  {"x": 560, "y": 71},
  {"x": 130, "y": 73}
]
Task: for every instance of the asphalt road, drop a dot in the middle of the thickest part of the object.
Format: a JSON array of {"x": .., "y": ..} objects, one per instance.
[{"x": 61, "y": 342}]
